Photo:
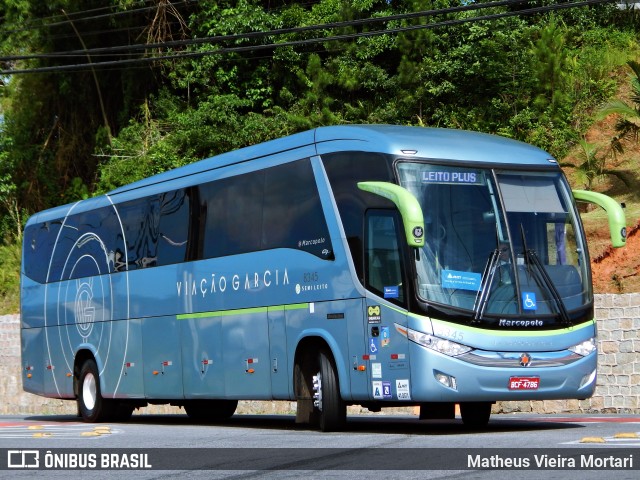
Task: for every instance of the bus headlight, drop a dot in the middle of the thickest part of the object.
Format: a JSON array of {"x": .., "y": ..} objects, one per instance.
[
  {"x": 585, "y": 348},
  {"x": 441, "y": 345}
]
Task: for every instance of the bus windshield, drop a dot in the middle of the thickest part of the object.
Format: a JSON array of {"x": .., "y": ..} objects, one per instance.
[{"x": 498, "y": 243}]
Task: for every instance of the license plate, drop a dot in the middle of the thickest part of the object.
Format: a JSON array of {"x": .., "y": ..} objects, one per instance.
[{"x": 524, "y": 383}]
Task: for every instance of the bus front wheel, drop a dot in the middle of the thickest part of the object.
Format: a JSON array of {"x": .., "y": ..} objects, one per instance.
[
  {"x": 475, "y": 414},
  {"x": 92, "y": 407},
  {"x": 326, "y": 395}
]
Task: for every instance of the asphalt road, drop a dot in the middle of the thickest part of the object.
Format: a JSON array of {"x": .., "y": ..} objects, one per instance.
[{"x": 273, "y": 446}]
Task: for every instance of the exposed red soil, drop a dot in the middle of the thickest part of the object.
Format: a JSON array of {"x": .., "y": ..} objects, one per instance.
[{"x": 617, "y": 270}]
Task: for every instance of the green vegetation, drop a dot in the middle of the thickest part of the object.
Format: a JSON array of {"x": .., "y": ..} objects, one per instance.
[
  {"x": 71, "y": 134},
  {"x": 628, "y": 115},
  {"x": 9, "y": 278}
]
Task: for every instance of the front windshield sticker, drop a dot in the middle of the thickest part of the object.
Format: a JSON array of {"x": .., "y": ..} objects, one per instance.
[
  {"x": 461, "y": 280},
  {"x": 445, "y": 176},
  {"x": 391, "y": 292},
  {"x": 529, "y": 301}
]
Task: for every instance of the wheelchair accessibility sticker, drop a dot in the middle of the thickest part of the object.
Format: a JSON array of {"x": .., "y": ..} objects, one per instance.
[
  {"x": 374, "y": 345},
  {"x": 529, "y": 301}
]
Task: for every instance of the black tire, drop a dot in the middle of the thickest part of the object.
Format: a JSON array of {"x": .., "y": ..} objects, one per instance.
[
  {"x": 475, "y": 414},
  {"x": 92, "y": 407},
  {"x": 331, "y": 408},
  {"x": 210, "y": 410}
]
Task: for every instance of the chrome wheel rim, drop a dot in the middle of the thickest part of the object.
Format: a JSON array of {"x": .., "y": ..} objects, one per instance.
[
  {"x": 317, "y": 391},
  {"x": 89, "y": 391}
]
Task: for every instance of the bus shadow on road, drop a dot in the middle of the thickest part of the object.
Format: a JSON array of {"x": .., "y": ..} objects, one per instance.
[{"x": 377, "y": 424}]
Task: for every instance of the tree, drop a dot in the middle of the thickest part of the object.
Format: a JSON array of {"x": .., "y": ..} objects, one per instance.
[
  {"x": 55, "y": 120},
  {"x": 593, "y": 165},
  {"x": 551, "y": 67}
]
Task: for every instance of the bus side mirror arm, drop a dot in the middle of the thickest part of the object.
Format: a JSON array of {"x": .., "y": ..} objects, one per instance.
[
  {"x": 615, "y": 214},
  {"x": 408, "y": 206}
]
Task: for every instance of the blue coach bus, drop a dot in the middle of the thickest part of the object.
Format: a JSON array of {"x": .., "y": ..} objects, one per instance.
[{"x": 371, "y": 265}]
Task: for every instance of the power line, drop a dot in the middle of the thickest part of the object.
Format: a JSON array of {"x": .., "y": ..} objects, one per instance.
[
  {"x": 282, "y": 31},
  {"x": 294, "y": 43},
  {"x": 38, "y": 23}
]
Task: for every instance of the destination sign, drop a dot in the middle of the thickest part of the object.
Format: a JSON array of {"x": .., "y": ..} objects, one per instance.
[{"x": 453, "y": 177}]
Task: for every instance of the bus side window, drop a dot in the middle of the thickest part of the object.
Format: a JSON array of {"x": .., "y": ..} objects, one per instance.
[
  {"x": 233, "y": 207},
  {"x": 174, "y": 227},
  {"x": 383, "y": 258},
  {"x": 293, "y": 216},
  {"x": 140, "y": 222},
  {"x": 39, "y": 247}
]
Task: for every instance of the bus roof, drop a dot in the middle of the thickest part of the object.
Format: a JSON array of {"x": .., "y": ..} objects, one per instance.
[{"x": 411, "y": 142}]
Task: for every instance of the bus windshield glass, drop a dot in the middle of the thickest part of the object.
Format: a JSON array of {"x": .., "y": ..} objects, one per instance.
[{"x": 498, "y": 243}]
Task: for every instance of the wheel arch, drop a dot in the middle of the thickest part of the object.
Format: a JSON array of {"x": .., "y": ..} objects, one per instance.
[
  {"x": 307, "y": 347},
  {"x": 84, "y": 353}
]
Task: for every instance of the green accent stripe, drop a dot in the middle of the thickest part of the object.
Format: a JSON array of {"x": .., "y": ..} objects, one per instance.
[
  {"x": 296, "y": 306},
  {"x": 497, "y": 333},
  {"x": 241, "y": 311},
  {"x": 403, "y": 312},
  {"x": 517, "y": 333}
]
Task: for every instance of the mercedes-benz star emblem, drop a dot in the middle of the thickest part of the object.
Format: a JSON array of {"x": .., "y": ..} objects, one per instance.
[{"x": 525, "y": 360}]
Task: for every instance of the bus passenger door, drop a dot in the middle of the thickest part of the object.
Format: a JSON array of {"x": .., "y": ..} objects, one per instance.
[
  {"x": 358, "y": 348},
  {"x": 386, "y": 319},
  {"x": 388, "y": 352},
  {"x": 280, "y": 383}
]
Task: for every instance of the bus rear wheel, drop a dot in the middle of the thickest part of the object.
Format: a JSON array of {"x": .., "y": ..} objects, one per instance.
[
  {"x": 92, "y": 407},
  {"x": 475, "y": 414},
  {"x": 326, "y": 395},
  {"x": 210, "y": 410}
]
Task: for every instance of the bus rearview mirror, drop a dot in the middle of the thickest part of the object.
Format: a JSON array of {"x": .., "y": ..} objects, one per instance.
[
  {"x": 406, "y": 203},
  {"x": 615, "y": 214}
]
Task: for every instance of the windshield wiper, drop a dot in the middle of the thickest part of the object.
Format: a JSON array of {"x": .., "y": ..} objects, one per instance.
[
  {"x": 533, "y": 258},
  {"x": 543, "y": 278},
  {"x": 486, "y": 281}
]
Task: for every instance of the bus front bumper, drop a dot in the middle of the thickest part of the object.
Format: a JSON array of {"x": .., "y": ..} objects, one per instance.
[{"x": 512, "y": 376}]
